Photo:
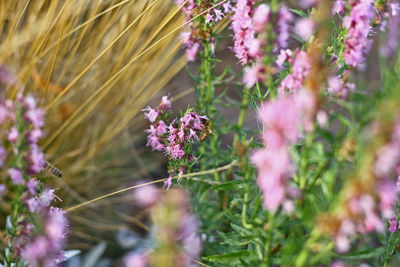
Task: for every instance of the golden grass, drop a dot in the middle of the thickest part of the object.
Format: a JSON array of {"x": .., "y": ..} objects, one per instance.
[{"x": 76, "y": 55}]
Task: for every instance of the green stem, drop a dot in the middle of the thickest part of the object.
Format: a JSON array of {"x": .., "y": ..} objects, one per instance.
[
  {"x": 389, "y": 244},
  {"x": 269, "y": 239},
  {"x": 243, "y": 108}
]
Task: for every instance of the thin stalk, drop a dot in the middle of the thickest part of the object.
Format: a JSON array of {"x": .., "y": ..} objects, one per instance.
[{"x": 188, "y": 175}]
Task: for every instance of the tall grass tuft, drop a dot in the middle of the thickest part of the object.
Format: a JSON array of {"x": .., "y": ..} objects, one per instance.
[{"x": 93, "y": 65}]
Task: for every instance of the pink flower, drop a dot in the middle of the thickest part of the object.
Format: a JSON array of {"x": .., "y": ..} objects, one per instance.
[
  {"x": 191, "y": 52},
  {"x": 243, "y": 30},
  {"x": 151, "y": 114},
  {"x": 168, "y": 182},
  {"x": 338, "y": 7},
  {"x": 165, "y": 104},
  {"x": 252, "y": 75},
  {"x": 261, "y": 17},
  {"x": 209, "y": 18},
  {"x": 175, "y": 151},
  {"x": 161, "y": 128},
  {"x": 218, "y": 14},
  {"x": 300, "y": 70},
  {"x": 146, "y": 196},
  {"x": 284, "y": 55},
  {"x": 304, "y": 28},
  {"x": 29, "y": 102},
  {"x": 135, "y": 260},
  {"x": 358, "y": 28}
]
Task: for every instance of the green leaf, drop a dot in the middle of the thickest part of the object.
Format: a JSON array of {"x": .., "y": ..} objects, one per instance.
[
  {"x": 9, "y": 226},
  {"x": 227, "y": 258},
  {"x": 232, "y": 185},
  {"x": 364, "y": 254},
  {"x": 299, "y": 12},
  {"x": 94, "y": 255}
]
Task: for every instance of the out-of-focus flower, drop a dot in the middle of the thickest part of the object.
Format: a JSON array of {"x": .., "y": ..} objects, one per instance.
[
  {"x": 135, "y": 260},
  {"x": 146, "y": 196},
  {"x": 16, "y": 175},
  {"x": 261, "y": 17},
  {"x": 304, "y": 27},
  {"x": 283, "y": 28},
  {"x": 243, "y": 30},
  {"x": 358, "y": 28},
  {"x": 339, "y": 7}
]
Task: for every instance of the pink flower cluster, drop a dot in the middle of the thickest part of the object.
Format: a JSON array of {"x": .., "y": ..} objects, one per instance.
[
  {"x": 255, "y": 73},
  {"x": 176, "y": 232},
  {"x": 243, "y": 29},
  {"x": 283, "y": 120},
  {"x": 192, "y": 40},
  {"x": 337, "y": 87},
  {"x": 358, "y": 25},
  {"x": 367, "y": 209},
  {"x": 300, "y": 69},
  {"x": 175, "y": 137},
  {"x": 46, "y": 248}
]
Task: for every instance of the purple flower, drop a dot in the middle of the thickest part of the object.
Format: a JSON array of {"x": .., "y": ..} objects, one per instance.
[
  {"x": 33, "y": 204},
  {"x": 32, "y": 186},
  {"x": 34, "y": 252},
  {"x": 35, "y": 116},
  {"x": 16, "y": 175},
  {"x": 13, "y": 135},
  {"x": 393, "y": 225},
  {"x": 56, "y": 225},
  {"x": 3, "y": 155},
  {"x": 35, "y": 158},
  {"x": 283, "y": 28},
  {"x": 392, "y": 41},
  {"x": 46, "y": 197},
  {"x": 2, "y": 189},
  {"x": 34, "y": 135}
]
